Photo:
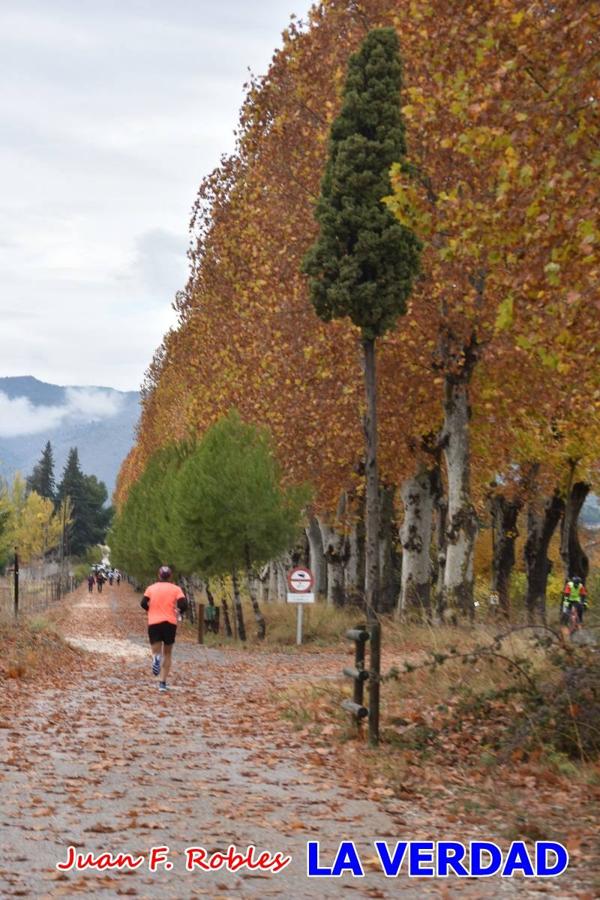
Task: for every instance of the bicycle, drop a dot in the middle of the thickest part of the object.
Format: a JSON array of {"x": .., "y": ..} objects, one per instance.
[
  {"x": 571, "y": 618},
  {"x": 574, "y": 623}
]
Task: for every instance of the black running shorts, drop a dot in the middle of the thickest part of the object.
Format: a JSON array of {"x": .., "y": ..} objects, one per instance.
[{"x": 163, "y": 632}]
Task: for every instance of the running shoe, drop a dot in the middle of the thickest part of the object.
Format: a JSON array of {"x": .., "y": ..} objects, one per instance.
[
  {"x": 163, "y": 686},
  {"x": 156, "y": 664}
]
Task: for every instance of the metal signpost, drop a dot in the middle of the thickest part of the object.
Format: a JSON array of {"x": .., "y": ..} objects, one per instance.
[{"x": 300, "y": 591}]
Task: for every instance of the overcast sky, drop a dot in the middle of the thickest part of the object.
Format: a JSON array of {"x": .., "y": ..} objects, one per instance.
[{"x": 111, "y": 112}]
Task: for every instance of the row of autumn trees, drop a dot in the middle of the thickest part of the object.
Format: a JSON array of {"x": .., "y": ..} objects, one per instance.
[
  {"x": 39, "y": 516},
  {"x": 489, "y": 392}
]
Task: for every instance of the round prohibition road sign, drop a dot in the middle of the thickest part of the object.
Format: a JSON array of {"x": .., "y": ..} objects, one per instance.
[{"x": 300, "y": 580}]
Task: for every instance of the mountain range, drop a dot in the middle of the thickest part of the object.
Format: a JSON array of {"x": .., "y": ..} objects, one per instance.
[{"x": 99, "y": 421}]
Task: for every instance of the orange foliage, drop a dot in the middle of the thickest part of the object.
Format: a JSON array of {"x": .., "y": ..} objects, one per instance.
[{"x": 499, "y": 126}]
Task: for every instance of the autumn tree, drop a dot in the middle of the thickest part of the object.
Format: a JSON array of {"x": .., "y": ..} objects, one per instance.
[
  {"x": 37, "y": 528},
  {"x": 502, "y": 156},
  {"x": 28, "y": 522},
  {"x": 501, "y": 192},
  {"x": 5, "y": 515},
  {"x": 363, "y": 263}
]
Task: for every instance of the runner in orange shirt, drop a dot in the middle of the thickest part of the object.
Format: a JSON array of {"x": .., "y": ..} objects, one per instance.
[{"x": 163, "y": 601}]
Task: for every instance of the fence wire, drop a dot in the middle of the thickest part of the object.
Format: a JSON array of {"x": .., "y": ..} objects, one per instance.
[{"x": 37, "y": 592}]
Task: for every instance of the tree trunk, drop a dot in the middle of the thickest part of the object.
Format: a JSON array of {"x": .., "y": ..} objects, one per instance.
[
  {"x": 226, "y": 619},
  {"x": 187, "y": 587},
  {"x": 574, "y": 558},
  {"x": 261, "y": 625},
  {"x": 211, "y": 602},
  {"x": 316, "y": 556},
  {"x": 281, "y": 570},
  {"x": 229, "y": 630},
  {"x": 389, "y": 556},
  {"x": 354, "y": 580},
  {"x": 272, "y": 583},
  {"x": 372, "y": 483},
  {"x": 415, "y": 535},
  {"x": 277, "y": 581},
  {"x": 300, "y": 552},
  {"x": 542, "y": 520},
  {"x": 334, "y": 551},
  {"x": 254, "y": 583},
  {"x": 504, "y": 513},
  {"x": 350, "y": 515},
  {"x": 239, "y": 612},
  {"x": 263, "y": 584},
  {"x": 372, "y": 535},
  {"x": 461, "y": 528},
  {"x": 441, "y": 518}
]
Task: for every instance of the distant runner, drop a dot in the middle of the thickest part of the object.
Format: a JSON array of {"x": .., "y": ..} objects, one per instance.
[
  {"x": 163, "y": 600},
  {"x": 91, "y": 581},
  {"x": 100, "y": 579}
]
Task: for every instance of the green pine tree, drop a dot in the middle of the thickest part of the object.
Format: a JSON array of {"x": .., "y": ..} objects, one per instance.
[
  {"x": 90, "y": 516},
  {"x": 41, "y": 479},
  {"x": 233, "y": 513},
  {"x": 144, "y": 535}
]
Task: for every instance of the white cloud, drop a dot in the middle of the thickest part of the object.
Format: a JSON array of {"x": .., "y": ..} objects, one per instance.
[
  {"x": 92, "y": 404},
  {"x": 19, "y": 416}
]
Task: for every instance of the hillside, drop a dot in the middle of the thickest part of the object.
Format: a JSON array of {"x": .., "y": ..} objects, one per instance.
[{"x": 99, "y": 421}]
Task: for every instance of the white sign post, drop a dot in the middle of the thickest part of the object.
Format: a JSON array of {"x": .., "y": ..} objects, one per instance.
[{"x": 300, "y": 584}]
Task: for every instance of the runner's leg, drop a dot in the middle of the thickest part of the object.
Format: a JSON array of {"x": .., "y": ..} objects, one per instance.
[
  {"x": 155, "y": 637},
  {"x": 165, "y": 669}
]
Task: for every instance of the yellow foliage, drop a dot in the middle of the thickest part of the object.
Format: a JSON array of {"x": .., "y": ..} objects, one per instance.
[{"x": 33, "y": 526}]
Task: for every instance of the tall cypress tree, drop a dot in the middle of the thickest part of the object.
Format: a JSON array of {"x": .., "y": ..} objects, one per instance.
[
  {"x": 364, "y": 261},
  {"x": 41, "y": 479}
]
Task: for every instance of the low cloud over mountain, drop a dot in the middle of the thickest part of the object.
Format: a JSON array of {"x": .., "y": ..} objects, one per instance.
[
  {"x": 19, "y": 416},
  {"x": 99, "y": 421}
]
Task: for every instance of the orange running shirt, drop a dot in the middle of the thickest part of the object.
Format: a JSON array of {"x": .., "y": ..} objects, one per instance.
[{"x": 163, "y": 597}]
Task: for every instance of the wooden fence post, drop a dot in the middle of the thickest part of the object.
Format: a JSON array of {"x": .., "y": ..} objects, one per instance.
[
  {"x": 359, "y": 675},
  {"x": 16, "y": 583},
  {"x": 374, "y": 679}
]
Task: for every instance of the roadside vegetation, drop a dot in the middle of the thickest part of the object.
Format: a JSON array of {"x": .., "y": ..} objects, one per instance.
[{"x": 34, "y": 648}]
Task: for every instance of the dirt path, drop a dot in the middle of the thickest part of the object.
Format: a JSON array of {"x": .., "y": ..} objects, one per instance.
[{"x": 105, "y": 763}]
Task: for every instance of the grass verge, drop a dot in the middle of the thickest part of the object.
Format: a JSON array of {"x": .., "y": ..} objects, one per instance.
[{"x": 323, "y": 626}]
